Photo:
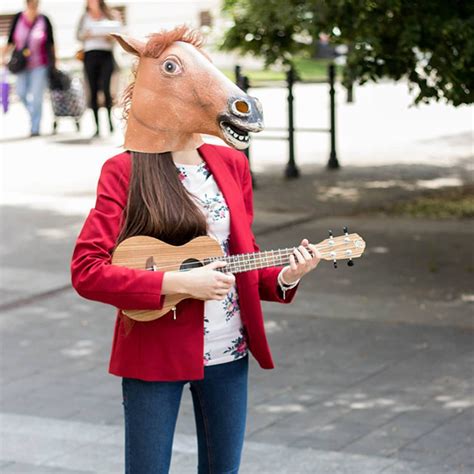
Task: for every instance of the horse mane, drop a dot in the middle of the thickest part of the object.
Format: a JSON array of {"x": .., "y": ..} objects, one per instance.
[{"x": 156, "y": 44}]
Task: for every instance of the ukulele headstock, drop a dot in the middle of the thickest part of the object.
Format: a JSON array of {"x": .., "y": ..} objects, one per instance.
[{"x": 343, "y": 247}]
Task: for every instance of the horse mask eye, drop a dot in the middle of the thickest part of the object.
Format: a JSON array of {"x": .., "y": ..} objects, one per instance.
[{"x": 171, "y": 66}]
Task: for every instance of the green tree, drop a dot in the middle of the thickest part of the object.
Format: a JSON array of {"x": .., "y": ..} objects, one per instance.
[{"x": 429, "y": 42}]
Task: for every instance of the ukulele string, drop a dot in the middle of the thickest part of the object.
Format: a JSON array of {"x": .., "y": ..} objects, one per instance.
[
  {"x": 244, "y": 260},
  {"x": 232, "y": 260}
]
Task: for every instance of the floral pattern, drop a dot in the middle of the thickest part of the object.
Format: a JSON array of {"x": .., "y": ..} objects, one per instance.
[
  {"x": 224, "y": 334},
  {"x": 231, "y": 304},
  {"x": 215, "y": 206},
  {"x": 201, "y": 169},
  {"x": 239, "y": 346}
]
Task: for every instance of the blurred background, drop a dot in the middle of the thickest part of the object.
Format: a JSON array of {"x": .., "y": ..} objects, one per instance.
[{"x": 369, "y": 124}]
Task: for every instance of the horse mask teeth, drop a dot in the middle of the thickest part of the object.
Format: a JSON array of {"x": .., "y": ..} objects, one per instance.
[{"x": 178, "y": 94}]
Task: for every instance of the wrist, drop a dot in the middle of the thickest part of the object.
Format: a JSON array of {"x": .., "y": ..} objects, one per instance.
[
  {"x": 284, "y": 279},
  {"x": 175, "y": 282}
]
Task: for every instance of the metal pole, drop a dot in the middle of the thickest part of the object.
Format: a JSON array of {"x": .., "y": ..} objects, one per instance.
[
  {"x": 333, "y": 163},
  {"x": 349, "y": 74},
  {"x": 238, "y": 75},
  {"x": 350, "y": 93},
  {"x": 291, "y": 169}
]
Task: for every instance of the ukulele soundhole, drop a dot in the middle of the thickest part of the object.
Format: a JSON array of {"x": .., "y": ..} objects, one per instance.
[{"x": 189, "y": 264}]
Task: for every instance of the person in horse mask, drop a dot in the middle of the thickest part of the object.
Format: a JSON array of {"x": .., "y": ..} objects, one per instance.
[{"x": 170, "y": 185}]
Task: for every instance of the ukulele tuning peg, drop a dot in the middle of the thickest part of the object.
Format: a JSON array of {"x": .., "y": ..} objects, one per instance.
[
  {"x": 330, "y": 233},
  {"x": 345, "y": 230},
  {"x": 350, "y": 263},
  {"x": 334, "y": 263}
]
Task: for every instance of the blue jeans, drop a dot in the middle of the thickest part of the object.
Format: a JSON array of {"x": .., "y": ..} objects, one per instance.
[
  {"x": 220, "y": 410},
  {"x": 30, "y": 86}
]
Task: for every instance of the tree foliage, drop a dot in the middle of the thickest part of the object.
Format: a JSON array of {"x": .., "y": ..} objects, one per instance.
[{"x": 429, "y": 42}]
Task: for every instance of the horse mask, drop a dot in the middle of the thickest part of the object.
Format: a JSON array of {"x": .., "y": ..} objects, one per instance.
[{"x": 178, "y": 94}]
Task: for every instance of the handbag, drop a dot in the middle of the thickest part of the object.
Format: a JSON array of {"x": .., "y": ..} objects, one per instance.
[
  {"x": 80, "y": 53},
  {"x": 5, "y": 91},
  {"x": 58, "y": 80},
  {"x": 19, "y": 57}
]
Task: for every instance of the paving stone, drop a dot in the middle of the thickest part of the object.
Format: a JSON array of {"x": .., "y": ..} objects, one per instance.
[
  {"x": 23, "y": 468},
  {"x": 377, "y": 443}
]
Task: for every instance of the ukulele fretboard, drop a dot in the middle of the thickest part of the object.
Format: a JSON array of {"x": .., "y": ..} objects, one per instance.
[{"x": 253, "y": 261}]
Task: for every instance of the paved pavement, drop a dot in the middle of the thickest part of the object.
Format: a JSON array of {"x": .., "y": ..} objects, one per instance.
[{"x": 374, "y": 363}]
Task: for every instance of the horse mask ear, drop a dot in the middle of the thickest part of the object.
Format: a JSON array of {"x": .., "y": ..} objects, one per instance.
[{"x": 131, "y": 45}]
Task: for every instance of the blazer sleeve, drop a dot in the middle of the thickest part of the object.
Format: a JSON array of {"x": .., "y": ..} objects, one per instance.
[
  {"x": 269, "y": 289},
  {"x": 92, "y": 274}
]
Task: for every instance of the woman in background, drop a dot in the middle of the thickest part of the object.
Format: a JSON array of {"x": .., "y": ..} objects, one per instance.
[
  {"x": 93, "y": 30},
  {"x": 34, "y": 28}
]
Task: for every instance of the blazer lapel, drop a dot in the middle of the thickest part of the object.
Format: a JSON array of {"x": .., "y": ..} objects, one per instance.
[{"x": 230, "y": 189}]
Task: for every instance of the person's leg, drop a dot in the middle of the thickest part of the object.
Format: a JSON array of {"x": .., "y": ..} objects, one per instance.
[
  {"x": 38, "y": 80},
  {"x": 106, "y": 75},
  {"x": 92, "y": 68},
  {"x": 22, "y": 86},
  {"x": 220, "y": 409},
  {"x": 151, "y": 410}
]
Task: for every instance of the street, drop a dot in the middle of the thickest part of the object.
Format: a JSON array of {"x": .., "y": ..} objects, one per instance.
[{"x": 374, "y": 363}]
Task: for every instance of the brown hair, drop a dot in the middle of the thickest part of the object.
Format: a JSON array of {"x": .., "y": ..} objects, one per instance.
[
  {"x": 104, "y": 9},
  {"x": 158, "y": 204}
]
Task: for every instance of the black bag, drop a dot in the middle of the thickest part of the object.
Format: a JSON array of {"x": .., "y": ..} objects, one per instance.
[
  {"x": 19, "y": 58},
  {"x": 58, "y": 80}
]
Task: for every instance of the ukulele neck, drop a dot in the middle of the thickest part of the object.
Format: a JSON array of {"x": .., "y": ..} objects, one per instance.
[{"x": 254, "y": 261}]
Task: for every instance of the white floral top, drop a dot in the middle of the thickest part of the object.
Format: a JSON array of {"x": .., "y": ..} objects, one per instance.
[{"x": 224, "y": 334}]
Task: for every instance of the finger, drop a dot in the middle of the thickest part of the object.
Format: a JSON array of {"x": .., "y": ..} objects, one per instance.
[
  {"x": 217, "y": 264},
  {"x": 305, "y": 253},
  {"x": 316, "y": 252},
  {"x": 223, "y": 287},
  {"x": 293, "y": 265},
  {"x": 227, "y": 278},
  {"x": 298, "y": 255},
  {"x": 305, "y": 242}
]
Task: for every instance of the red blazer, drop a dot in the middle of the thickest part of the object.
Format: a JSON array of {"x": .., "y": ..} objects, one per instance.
[{"x": 168, "y": 349}]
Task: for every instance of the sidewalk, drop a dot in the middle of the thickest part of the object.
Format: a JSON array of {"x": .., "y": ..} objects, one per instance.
[
  {"x": 369, "y": 379},
  {"x": 374, "y": 364}
]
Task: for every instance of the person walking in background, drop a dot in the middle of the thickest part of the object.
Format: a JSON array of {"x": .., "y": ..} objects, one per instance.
[
  {"x": 33, "y": 30},
  {"x": 93, "y": 30}
]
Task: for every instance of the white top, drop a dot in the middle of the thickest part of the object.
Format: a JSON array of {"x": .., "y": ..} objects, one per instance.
[
  {"x": 224, "y": 334},
  {"x": 224, "y": 337},
  {"x": 101, "y": 28}
]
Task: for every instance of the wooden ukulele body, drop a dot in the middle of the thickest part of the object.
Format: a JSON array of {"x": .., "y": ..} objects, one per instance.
[{"x": 148, "y": 253}]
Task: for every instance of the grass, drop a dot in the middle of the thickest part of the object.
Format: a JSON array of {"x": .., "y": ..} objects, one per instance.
[
  {"x": 308, "y": 70},
  {"x": 454, "y": 203}
]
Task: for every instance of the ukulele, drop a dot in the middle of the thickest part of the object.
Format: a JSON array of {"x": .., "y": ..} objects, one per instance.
[{"x": 148, "y": 253}]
